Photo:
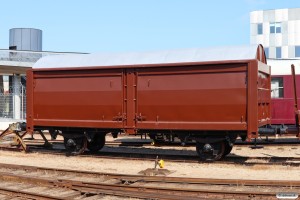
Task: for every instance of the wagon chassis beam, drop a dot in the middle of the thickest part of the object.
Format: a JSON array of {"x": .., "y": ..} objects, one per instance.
[{"x": 47, "y": 143}]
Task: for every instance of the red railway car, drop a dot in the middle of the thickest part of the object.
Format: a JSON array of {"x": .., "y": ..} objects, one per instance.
[
  {"x": 283, "y": 103},
  {"x": 210, "y": 96}
]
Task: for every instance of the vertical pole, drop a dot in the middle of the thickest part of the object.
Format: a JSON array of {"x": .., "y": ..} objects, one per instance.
[
  {"x": 22, "y": 103},
  {"x": 16, "y": 96},
  {"x": 11, "y": 97},
  {"x": 2, "y": 104},
  {"x": 295, "y": 101}
]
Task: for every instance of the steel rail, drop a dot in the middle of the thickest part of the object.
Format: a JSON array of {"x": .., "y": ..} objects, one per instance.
[
  {"x": 230, "y": 160},
  {"x": 164, "y": 179},
  {"x": 27, "y": 195},
  {"x": 175, "y": 144},
  {"x": 188, "y": 157},
  {"x": 141, "y": 143},
  {"x": 292, "y": 161},
  {"x": 166, "y": 193},
  {"x": 137, "y": 191}
]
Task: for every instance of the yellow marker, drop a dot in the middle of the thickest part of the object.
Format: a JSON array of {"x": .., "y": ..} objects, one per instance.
[
  {"x": 161, "y": 164},
  {"x": 153, "y": 142}
]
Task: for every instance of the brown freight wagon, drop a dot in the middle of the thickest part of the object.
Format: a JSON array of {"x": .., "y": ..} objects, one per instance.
[{"x": 211, "y": 96}]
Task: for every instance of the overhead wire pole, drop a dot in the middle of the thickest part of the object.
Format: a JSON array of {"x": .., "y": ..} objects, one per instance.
[{"x": 297, "y": 112}]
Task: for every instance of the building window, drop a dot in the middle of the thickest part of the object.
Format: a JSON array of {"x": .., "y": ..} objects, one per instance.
[
  {"x": 277, "y": 87},
  {"x": 267, "y": 52},
  {"x": 275, "y": 27},
  {"x": 259, "y": 29},
  {"x": 278, "y": 27},
  {"x": 13, "y": 48},
  {"x": 297, "y": 51},
  {"x": 278, "y": 52}
]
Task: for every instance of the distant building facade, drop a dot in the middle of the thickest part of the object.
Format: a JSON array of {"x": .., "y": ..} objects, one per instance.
[{"x": 278, "y": 31}]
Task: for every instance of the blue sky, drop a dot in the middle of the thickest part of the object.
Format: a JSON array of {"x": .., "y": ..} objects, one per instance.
[{"x": 134, "y": 25}]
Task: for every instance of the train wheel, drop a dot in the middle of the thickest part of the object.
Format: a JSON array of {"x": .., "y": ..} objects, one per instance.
[
  {"x": 97, "y": 143},
  {"x": 75, "y": 145},
  {"x": 227, "y": 150},
  {"x": 210, "y": 151},
  {"x": 157, "y": 138}
]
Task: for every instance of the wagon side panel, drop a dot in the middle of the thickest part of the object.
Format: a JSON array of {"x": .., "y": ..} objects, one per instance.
[
  {"x": 210, "y": 97},
  {"x": 78, "y": 98}
]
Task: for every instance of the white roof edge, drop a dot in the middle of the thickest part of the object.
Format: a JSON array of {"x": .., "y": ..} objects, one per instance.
[
  {"x": 152, "y": 57},
  {"x": 283, "y": 66}
]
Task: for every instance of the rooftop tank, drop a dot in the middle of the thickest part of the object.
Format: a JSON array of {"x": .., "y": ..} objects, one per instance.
[{"x": 25, "y": 39}]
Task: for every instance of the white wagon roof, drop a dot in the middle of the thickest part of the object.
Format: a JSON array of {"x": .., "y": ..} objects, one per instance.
[
  {"x": 145, "y": 58},
  {"x": 283, "y": 66}
]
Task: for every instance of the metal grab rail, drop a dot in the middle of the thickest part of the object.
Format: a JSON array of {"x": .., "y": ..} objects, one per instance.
[{"x": 27, "y": 56}]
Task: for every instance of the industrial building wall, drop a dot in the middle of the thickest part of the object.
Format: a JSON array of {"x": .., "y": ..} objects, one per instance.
[{"x": 278, "y": 31}]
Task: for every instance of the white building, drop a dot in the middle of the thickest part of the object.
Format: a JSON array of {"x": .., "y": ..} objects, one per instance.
[{"x": 278, "y": 31}]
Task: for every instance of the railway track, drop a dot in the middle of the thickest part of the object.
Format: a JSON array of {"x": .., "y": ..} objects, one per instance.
[
  {"x": 139, "y": 151},
  {"x": 237, "y": 144},
  {"x": 112, "y": 152},
  {"x": 71, "y": 184},
  {"x": 148, "y": 142}
]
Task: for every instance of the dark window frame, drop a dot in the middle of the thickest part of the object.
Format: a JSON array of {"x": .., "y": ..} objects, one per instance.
[
  {"x": 280, "y": 88},
  {"x": 260, "y": 29},
  {"x": 272, "y": 27},
  {"x": 297, "y": 51},
  {"x": 275, "y": 27},
  {"x": 267, "y": 52},
  {"x": 278, "y": 52}
]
